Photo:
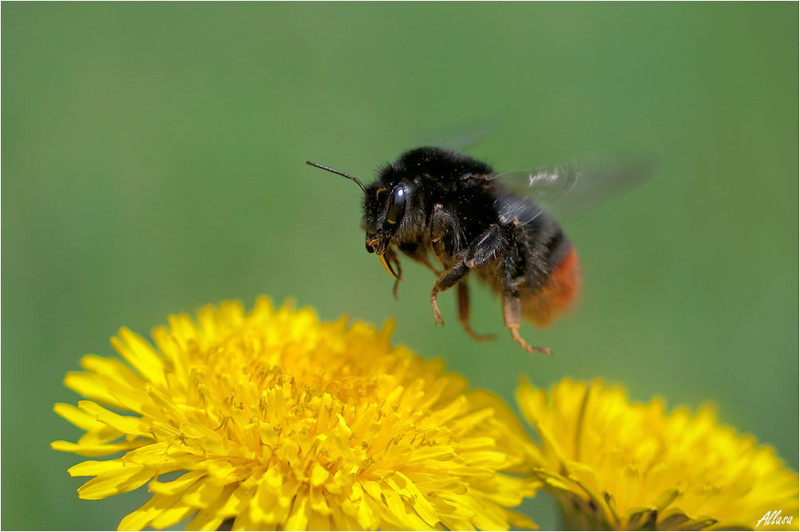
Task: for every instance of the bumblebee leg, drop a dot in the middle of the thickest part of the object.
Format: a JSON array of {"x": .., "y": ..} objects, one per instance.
[
  {"x": 463, "y": 314},
  {"x": 423, "y": 259},
  {"x": 444, "y": 233},
  {"x": 483, "y": 251},
  {"x": 420, "y": 255},
  {"x": 512, "y": 316},
  {"x": 393, "y": 259},
  {"x": 445, "y": 281}
]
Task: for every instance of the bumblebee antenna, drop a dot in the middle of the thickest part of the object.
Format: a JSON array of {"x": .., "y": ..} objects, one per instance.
[{"x": 339, "y": 172}]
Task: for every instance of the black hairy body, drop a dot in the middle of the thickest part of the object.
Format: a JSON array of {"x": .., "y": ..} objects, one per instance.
[
  {"x": 469, "y": 222},
  {"x": 440, "y": 204},
  {"x": 456, "y": 216}
]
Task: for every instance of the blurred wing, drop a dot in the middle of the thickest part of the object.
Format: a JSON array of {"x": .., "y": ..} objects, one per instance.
[
  {"x": 575, "y": 186},
  {"x": 461, "y": 139}
]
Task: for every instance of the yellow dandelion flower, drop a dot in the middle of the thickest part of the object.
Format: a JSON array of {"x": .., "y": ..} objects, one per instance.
[
  {"x": 620, "y": 465},
  {"x": 273, "y": 419}
]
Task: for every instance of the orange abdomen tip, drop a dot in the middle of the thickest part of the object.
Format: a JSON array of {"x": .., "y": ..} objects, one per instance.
[{"x": 557, "y": 294}]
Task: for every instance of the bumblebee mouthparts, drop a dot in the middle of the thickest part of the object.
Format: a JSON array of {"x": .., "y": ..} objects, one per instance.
[{"x": 387, "y": 265}]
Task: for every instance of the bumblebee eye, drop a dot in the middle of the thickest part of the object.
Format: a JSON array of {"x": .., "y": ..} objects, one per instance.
[{"x": 398, "y": 204}]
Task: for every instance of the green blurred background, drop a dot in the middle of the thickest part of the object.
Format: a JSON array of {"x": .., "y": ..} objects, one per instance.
[{"x": 153, "y": 162}]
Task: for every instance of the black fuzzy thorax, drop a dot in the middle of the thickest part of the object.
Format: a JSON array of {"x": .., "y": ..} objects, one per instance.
[
  {"x": 464, "y": 186},
  {"x": 449, "y": 178}
]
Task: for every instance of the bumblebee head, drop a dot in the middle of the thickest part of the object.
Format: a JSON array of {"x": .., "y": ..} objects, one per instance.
[{"x": 384, "y": 208}]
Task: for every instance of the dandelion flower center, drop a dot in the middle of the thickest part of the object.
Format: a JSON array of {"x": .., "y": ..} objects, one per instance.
[
  {"x": 620, "y": 465},
  {"x": 273, "y": 419}
]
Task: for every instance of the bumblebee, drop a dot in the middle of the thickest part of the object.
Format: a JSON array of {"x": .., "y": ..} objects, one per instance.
[{"x": 471, "y": 219}]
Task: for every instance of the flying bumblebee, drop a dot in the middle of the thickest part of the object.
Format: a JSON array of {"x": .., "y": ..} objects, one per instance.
[{"x": 473, "y": 219}]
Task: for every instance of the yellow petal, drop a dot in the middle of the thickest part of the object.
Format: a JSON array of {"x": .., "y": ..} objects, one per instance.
[
  {"x": 318, "y": 475},
  {"x": 112, "y": 369},
  {"x": 142, "y": 517},
  {"x": 299, "y": 514},
  {"x": 177, "y": 486},
  {"x": 203, "y": 493},
  {"x": 403, "y": 485},
  {"x": 237, "y": 502},
  {"x": 96, "y": 432},
  {"x": 209, "y": 518},
  {"x": 93, "y": 387},
  {"x": 91, "y": 468},
  {"x": 115, "y": 482},
  {"x": 124, "y": 424},
  {"x": 78, "y": 417},
  {"x": 172, "y": 515},
  {"x": 96, "y": 449},
  {"x": 141, "y": 355}
]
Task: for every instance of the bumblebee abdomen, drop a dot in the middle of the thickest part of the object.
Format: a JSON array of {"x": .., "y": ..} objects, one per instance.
[{"x": 557, "y": 293}]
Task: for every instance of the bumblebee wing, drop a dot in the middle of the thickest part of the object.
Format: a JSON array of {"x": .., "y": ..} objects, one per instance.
[
  {"x": 575, "y": 186},
  {"x": 461, "y": 139}
]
